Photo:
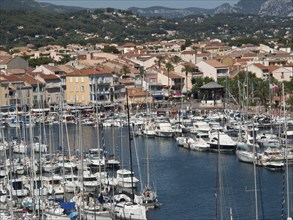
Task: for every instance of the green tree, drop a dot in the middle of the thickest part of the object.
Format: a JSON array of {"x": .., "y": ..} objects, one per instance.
[
  {"x": 125, "y": 70},
  {"x": 40, "y": 61},
  {"x": 110, "y": 49},
  {"x": 198, "y": 82},
  {"x": 65, "y": 59},
  {"x": 142, "y": 75},
  {"x": 169, "y": 68},
  {"x": 187, "y": 69},
  {"x": 175, "y": 59},
  {"x": 160, "y": 60},
  {"x": 290, "y": 103}
]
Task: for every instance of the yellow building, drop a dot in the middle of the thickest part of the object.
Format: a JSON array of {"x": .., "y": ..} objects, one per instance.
[
  {"x": 91, "y": 85},
  {"x": 77, "y": 88}
]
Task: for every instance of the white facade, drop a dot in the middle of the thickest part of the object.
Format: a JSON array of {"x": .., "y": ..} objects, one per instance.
[
  {"x": 145, "y": 63},
  {"x": 283, "y": 74},
  {"x": 259, "y": 73},
  {"x": 212, "y": 71},
  {"x": 43, "y": 69}
]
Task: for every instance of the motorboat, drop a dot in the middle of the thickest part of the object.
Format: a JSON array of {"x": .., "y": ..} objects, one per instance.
[{"x": 219, "y": 141}]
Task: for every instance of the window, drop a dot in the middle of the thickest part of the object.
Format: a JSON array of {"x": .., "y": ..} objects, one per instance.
[
  {"x": 76, "y": 98},
  {"x": 82, "y": 97},
  {"x": 82, "y": 88},
  {"x": 282, "y": 75},
  {"x": 76, "y": 79},
  {"x": 82, "y": 79},
  {"x": 70, "y": 79},
  {"x": 77, "y": 88},
  {"x": 71, "y": 88}
]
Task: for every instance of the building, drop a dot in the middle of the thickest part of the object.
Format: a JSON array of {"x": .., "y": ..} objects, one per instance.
[
  {"x": 9, "y": 62},
  {"x": 91, "y": 85},
  {"x": 213, "y": 69}
]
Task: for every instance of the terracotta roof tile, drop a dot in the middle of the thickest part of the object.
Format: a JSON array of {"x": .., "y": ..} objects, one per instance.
[
  {"x": 260, "y": 66},
  {"x": 52, "y": 68},
  {"x": 129, "y": 45},
  {"x": 189, "y": 52},
  {"x": 215, "y": 63},
  {"x": 48, "y": 76},
  {"x": 11, "y": 78},
  {"x": 5, "y": 59},
  {"x": 30, "y": 80}
]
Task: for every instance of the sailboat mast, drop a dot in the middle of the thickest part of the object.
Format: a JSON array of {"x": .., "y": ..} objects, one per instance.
[
  {"x": 286, "y": 155},
  {"x": 130, "y": 150},
  {"x": 147, "y": 148},
  {"x": 254, "y": 175},
  {"x": 220, "y": 176}
]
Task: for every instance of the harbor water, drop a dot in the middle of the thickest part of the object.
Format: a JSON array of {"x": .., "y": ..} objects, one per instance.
[{"x": 186, "y": 181}]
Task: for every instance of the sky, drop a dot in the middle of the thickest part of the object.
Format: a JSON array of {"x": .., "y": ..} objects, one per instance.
[{"x": 124, "y": 4}]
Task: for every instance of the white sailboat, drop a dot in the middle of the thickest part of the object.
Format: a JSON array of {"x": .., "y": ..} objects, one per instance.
[{"x": 129, "y": 210}]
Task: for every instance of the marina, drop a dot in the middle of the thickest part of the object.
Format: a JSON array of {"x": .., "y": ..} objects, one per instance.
[{"x": 164, "y": 168}]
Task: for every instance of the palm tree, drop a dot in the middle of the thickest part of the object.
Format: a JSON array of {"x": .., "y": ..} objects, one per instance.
[
  {"x": 187, "y": 69},
  {"x": 169, "y": 68},
  {"x": 125, "y": 70},
  {"x": 142, "y": 75},
  {"x": 175, "y": 59},
  {"x": 160, "y": 60}
]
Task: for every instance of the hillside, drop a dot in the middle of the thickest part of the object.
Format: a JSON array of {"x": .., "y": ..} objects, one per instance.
[
  {"x": 20, "y": 28},
  {"x": 280, "y": 8},
  {"x": 31, "y": 5}
]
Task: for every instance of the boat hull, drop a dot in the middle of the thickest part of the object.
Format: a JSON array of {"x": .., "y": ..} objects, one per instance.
[{"x": 223, "y": 148}]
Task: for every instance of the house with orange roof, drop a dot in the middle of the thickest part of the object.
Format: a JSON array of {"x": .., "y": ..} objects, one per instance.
[
  {"x": 202, "y": 56},
  {"x": 194, "y": 72},
  {"x": 36, "y": 96},
  {"x": 282, "y": 73},
  {"x": 278, "y": 59},
  {"x": 92, "y": 85},
  {"x": 171, "y": 80},
  {"x": 49, "y": 69},
  {"x": 128, "y": 47},
  {"x": 52, "y": 90},
  {"x": 213, "y": 69},
  {"x": 138, "y": 96},
  {"x": 21, "y": 90},
  {"x": 259, "y": 70},
  {"x": 189, "y": 56},
  {"x": 13, "y": 89},
  {"x": 142, "y": 60}
]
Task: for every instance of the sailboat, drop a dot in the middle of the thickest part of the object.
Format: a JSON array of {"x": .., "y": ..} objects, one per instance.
[
  {"x": 149, "y": 196},
  {"x": 129, "y": 209}
]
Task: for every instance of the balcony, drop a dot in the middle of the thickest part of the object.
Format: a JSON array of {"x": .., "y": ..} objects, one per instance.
[
  {"x": 53, "y": 85},
  {"x": 222, "y": 72}
]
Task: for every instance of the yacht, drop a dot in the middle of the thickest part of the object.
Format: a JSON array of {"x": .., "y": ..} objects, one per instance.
[
  {"x": 89, "y": 183},
  {"x": 221, "y": 141},
  {"x": 244, "y": 153},
  {"x": 200, "y": 127},
  {"x": 198, "y": 144},
  {"x": 18, "y": 188},
  {"x": 54, "y": 185},
  {"x": 126, "y": 179},
  {"x": 164, "y": 129}
]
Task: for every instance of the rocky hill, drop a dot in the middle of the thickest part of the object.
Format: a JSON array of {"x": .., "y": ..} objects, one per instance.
[
  {"x": 31, "y": 5},
  {"x": 279, "y": 8}
]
